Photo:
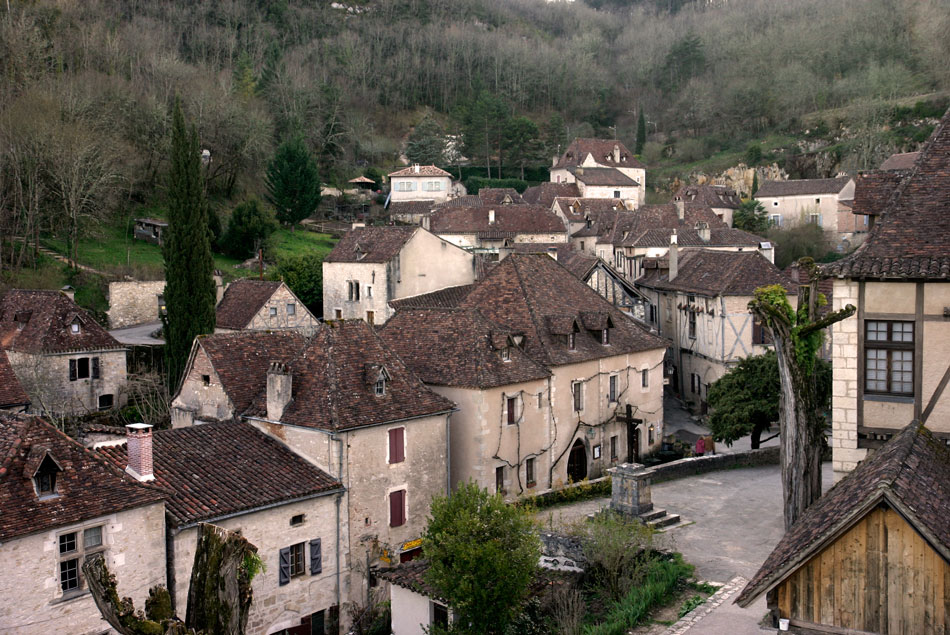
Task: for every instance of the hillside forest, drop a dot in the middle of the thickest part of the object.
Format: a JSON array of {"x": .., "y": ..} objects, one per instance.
[{"x": 86, "y": 90}]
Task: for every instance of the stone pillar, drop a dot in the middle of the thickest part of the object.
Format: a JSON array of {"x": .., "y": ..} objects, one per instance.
[{"x": 630, "y": 489}]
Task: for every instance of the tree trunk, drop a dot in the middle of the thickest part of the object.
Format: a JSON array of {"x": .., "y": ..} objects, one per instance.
[
  {"x": 756, "y": 437},
  {"x": 219, "y": 596}
]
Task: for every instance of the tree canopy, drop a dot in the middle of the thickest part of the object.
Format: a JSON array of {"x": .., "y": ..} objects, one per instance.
[
  {"x": 250, "y": 226},
  {"x": 426, "y": 144},
  {"x": 293, "y": 182},
  {"x": 751, "y": 217},
  {"x": 482, "y": 554}
]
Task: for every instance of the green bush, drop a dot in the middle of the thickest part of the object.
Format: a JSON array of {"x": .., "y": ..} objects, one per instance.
[
  {"x": 474, "y": 183},
  {"x": 250, "y": 226},
  {"x": 579, "y": 492},
  {"x": 304, "y": 275}
]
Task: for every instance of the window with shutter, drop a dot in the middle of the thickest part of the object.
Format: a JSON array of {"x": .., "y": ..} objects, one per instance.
[
  {"x": 510, "y": 405},
  {"x": 397, "y": 445},
  {"x": 95, "y": 368},
  {"x": 397, "y": 508},
  {"x": 72, "y": 370},
  {"x": 316, "y": 557},
  {"x": 284, "y": 566}
]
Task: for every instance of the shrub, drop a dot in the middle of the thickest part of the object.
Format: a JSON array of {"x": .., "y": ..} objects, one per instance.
[
  {"x": 690, "y": 150},
  {"x": 304, "y": 275},
  {"x": 474, "y": 183},
  {"x": 250, "y": 226},
  {"x": 652, "y": 152}
]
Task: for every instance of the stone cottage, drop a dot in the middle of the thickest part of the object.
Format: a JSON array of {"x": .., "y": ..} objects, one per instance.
[
  {"x": 262, "y": 305},
  {"x": 419, "y": 182},
  {"x": 594, "y": 157}
]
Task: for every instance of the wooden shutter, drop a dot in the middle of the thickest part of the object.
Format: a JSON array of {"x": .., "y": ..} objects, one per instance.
[
  {"x": 284, "y": 566},
  {"x": 72, "y": 370},
  {"x": 316, "y": 557},
  {"x": 95, "y": 368},
  {"x": 397, "y": 508},
  {"x": 511, "y": 410},
  {"x": 397, "y": 448}
]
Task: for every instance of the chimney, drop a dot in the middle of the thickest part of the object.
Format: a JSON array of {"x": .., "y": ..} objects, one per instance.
[
  {"x": 554, "y": 160},
  {"x": 505, "y": 251},
  {"x": 69, "y": 292},
  {"x": 491, "y": 217},
  {"x": 552, "y": 251},
  {"x": 139, "y": 444},
  {"x": 616, "y": 154},
  {"x": 424, "y": 222},
  {"x": 279, "y": 390},
  {"x": 702, "y": 228},
  {"x": 357, "y": 225},
  {"x": 680, "y": 207},
  {"x": 674, "y": 265},
  {"x": 415, "y": 168}
]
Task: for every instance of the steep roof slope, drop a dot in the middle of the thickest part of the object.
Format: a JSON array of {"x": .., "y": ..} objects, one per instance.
[
  {"x": 545, "y": 193},
  {"x": 11, "y": 392},
  {"x": 710, "y": 195},
  {"x": 602, "y": 176},
  {"x": 714, "y": 273},
  {"x": 242, "y": 300},
  {"x": 371, "y": 244},
  {"x": 443, "y": 298},
  {"x": 609, "y": 152},
  {"x": 87, "y": 487},
  {"x": 33, "y": 321},
  {"x": 507, "y": 218},
  {"x": 420, "y": 170}
]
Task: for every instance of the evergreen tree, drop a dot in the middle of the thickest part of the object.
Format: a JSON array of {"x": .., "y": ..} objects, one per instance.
[
  {"x": 751, "y": 217},
  {"x": 426, "y": 144},
  {"x": 293, "y": 182},
  {"x": 755, "y": 183},
  {"x": 641, "y": 133},
  {"x": 521, "y": 142},
  {"x": 189, "y": 266},
  {"x": 250, "y": 226}
]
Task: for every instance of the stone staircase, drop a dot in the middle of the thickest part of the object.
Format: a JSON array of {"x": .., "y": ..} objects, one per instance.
[{"x": 659, "y": 519}]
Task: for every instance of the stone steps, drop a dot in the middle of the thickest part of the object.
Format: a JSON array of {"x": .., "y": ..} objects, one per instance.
[{"x": 659, "y": 518}]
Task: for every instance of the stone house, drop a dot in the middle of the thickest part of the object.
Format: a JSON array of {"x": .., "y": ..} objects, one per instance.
[
  {"x": 287, "y": 510},
  {"x": 12, "y": 396},
  {"x": 790, "y": 203},
  {"x": 419, "y": 182},
  {"x": 891, "y": 358},
  {"x": 582, "y": 213},
  {"x": 65, "y": 361},
  {"x": 544, "y": 193},
  {"x": 540, "y": 366},
  {"x": 700, "y": 303},
  {"x": 873, "y": 554},
  {"x": 600, "y": 154},
  {"x": 486, "y": 230},
  {"x": 722, "y": 200},
  {"x": 371, "y": 266},
  {"x": 262, "y": 305},
  {"x": 61, "y": 505}
]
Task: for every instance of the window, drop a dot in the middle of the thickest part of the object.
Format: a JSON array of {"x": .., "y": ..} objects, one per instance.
[
  {"x": 529, "y": 472},
  {"x": 106, "y": 402},
  {"x": 505, "y": 354},
  {"x": 297, "y": 520},
  {"x": 616, "y": 193},
  {"x": 74, "y": 328},
  {"x": 369, "y": 290},
  {"x": 500, "y": 479},
  {"x": 759, "y": 335},
  {"x": 645, "y": 378},
  {"x": 817, "y": 201},
  {"x": 582, "y": 242},
  {"x": 397, "y": 508},
  {"x": 46, "y": 483},
  {"x": 296, "y": 559},
  {"x": 889, "y": 357},
  {"x": 273, "y": 311},
  {"x": 653, "y": 314},
  {"x": 405, "y": 186},
  {"x": 370, "y": 317},
  {"x": 612, "y": 389},
  {"x": 577, "y": 390},
  {"x": 72, "y": 553},
  {"x": 775, "y": 220},
  {"x": 291, "y": 308},
  {"x": 293, "y": 559},
  {"x": 596, "y": 451},
  {"x": 397, "y": 445},
  {"x": 814, "y": 219},
  {"x": 206, "y": 380},
  {"x": 440, "y": 615},
  {"x": 338, "y": 314},
  {"x": 651, "y": 438},
  {"x": 613, "y": 448},
  {"x": 774, "y": 203},
  {"x": 511, "y": 404},
  {"x": 380, "y": 387},
  {"x": 352, "y": 290},
  {"x": 433, "y": 186},
  {"x": 571, "y": 341},
  {"x": 605, "y": 336},
  {"x": 692, "y": 322},
  {"x": 80, "y": 368}
]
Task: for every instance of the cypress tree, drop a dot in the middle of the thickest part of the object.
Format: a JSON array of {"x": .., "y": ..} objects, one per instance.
[
  {"x": 641, "y": 133},
  {"x": 755, "y": 183},
  {"x": 189, "y": 266}
]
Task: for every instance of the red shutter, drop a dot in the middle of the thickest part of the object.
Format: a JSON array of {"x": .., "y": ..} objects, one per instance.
[
  {"x": 397, "y": 508},
  {"x": 511, "y": 410},
  {"x": 397, "y": 447}
]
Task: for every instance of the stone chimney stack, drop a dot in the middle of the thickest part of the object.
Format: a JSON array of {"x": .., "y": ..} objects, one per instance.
[
  {"x": 680, "y": 207},
  {"x": 702, "y": 228},
  {"x": 415, "y": 168},
  {"x": 616, "y": 154},
  {"x": 674, "y": 256},
  {"x": 139, "y": 444},
  {"x": 491, "y": 217},
  {"x": 552, "y": 251},
  {"x": 279, "y": 390}
]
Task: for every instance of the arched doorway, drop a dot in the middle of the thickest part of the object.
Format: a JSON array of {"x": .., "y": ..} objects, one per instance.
[{"x": 577, "y": 462}]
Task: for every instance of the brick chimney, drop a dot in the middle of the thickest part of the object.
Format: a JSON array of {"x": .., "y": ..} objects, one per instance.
[
  {"x": 680, "y": 207},
  {"x": 139, "y": 444},
  {"x": 279, "y": 390},
  {"x": 674, "y": 265}
]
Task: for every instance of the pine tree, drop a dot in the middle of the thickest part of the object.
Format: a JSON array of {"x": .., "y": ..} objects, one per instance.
[
  {"x": 293, "y": 182},
  {"x": 426, "y": 144},
  {"x": 755, "y": 183},
  {"x": 641, "y": 133},
  {"x": 189, "y": 266}
]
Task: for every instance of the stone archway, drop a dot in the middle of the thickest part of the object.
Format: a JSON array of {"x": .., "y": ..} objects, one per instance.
[{"x": 577, "y": 462}]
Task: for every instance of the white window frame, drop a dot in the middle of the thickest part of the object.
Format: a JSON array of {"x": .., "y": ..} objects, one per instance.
[
  {"x": 577, "y": 395},
  {"x": 612, "y": 389}
]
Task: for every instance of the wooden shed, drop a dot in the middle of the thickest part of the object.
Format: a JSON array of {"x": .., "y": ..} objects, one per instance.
[
  {"x": 873, "y": 554},
  {"x": 150, "y": 230}
]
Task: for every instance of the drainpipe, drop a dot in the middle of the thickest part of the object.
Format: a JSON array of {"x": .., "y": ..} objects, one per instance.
[
  {"x": 448, "y": 454},
  {"x": 339, "y": 498},
  {"x": 170, "y": 563}
]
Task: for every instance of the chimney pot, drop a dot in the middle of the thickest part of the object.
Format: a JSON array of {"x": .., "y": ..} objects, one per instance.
[
  {"x": 279, "y": 390},
  {"x": 139, "y": 445},
  {"x": 680, "y": 207},
  {"x": 673, "y": 256}
]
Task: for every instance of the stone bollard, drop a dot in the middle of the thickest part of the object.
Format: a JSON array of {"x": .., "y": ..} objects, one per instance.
[{"x": 630, "y": 489}]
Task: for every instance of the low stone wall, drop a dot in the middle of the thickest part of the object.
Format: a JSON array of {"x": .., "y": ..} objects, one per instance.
[{"x": 711, "y": 462}]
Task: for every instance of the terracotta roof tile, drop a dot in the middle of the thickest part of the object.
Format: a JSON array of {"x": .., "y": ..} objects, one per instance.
[
  {"x": 873, "y": 189},
  {"x": 720, "y": 273},
  {"x": 509, "y": 219},
  {"x": 204, "y": 470},
  {"x": 469, "y": 200},
  {"x": 803, "y": 187},
  {"x": 911, "y": 472},
  {"x": 687, "y": 237},
  {"x": 371, "y": 244},
  {"x": 40, "y": 322},
  {"x": 242, "y": 300},
  {"x": 410, "y": 207},
  {"x": 443, "y": 298},
  {"x": 545, "y": 193},
  {"x": 603, "y": 152},
  {"x": 498, "y": 196},
  {"x": 602, "y": 176},
  {"x": 424, "y": 170},
  {"x": 900, "y": 161},
  {"x": 579, "y": 209},
  {"x": 87, "y": 487},
  {"x": 11, "y": 392}
]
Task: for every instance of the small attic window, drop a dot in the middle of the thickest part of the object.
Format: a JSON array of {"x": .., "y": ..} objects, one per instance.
[
  {"x": 74, "y": 328},
  {"x": 44, "y": 479},
  {"x": 380, "y": 387},
  {"x": 505, "y": 354},
  {"x": 605, "y": 336},
  {"x": 572, "y": 341}
]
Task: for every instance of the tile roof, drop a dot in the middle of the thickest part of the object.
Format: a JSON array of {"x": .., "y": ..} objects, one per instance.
[
  {"x": 40, "y": 322},
  {"x": 371, "y": 244},
  {"x": 602, "y": 151},
  {"x": 517, "y": 219},
  {"x": 911, "y": 473},
  {"x": 687, "y": 237},
  {"x": 87, "y": 487},
  {"x": 578, "y": 263},
  {"x": 710, "y": 195},
  {"x": 11, "y": 392},
  {"x": 241, "y": 360},
  {"x": 411, "y": 575},
  {"x": 242, "y": 300},
  {"x": 334, "y": 377},
  {"x": 911, "y": 238},
  {"x": 498, "y": 195},
  {"x": 424, "y": 170},
  {"x": 803, "y": 187},
  {"x": 524, "y": 290},
  {"x": 205, "y": 471},
  {"x": 622, "y": 227},
  {"x": 900, "y": 161},
  {"x": 458, "y": 347},
  {"x": 873, "y": 189},
  {"x": 715, "y": 273},
  {"x": 410, "y": 207},
  {"x": 469, "y": 200},
  {"x": 578, "y": 209},
  {"x": 448, "y": 297},
  {"x": 545, "y": 193},
  {"x": 602, "y": 176}
]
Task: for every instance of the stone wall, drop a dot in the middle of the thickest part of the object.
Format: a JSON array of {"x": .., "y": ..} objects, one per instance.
[
  {"x": 132, "y": 303},
  {"x": 694, "y": 465},
  {"x": 844, "y": 387},
  {"x": 46, "y": 380}
]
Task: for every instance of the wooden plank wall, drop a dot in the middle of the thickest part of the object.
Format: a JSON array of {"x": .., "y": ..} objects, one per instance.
[{"x": 880, "y": 576}]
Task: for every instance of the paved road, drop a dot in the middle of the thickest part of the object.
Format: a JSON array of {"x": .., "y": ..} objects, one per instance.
[{"x": 138, "y": 335}]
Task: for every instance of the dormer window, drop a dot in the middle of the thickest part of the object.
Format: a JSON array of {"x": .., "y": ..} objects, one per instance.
[
  {"x": 505, "y": 354},
  {"x": 45, "y": 473},
  {"x": 74, "y": 328},
  {"x": 605, "y": 336},
  {"x": 46, "y": 483},
  {"x": 380, "y": 388},
  {"x": 378, "y": 377},
  {"x": 572, "y": 341}
]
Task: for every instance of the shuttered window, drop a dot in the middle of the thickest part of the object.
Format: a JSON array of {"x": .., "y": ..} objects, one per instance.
[
  {"x": 397, "y": 508},
  {"x": 95, "y": 368},
  {"x": 72, "y": 370},
  {"x": 284, "y": 566},
  {"x": 397, "y": 445},
  {"x": 510, "y": 406},
  {"x": 316, "y": 557}
]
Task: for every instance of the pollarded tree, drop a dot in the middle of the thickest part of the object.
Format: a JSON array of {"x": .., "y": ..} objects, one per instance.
[
  {"x": 482, "y": 555},
  {"x": 797, "y": 335},
  {"x": 293, "y": 182}
]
